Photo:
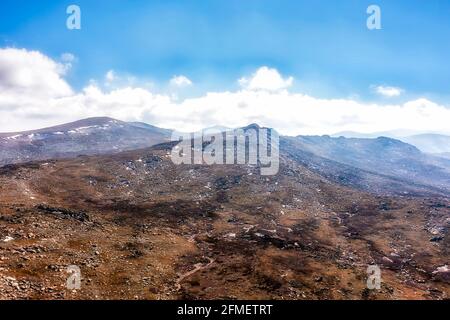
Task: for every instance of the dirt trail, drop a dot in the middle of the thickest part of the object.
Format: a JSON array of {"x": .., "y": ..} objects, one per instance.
[
  {"x": 23, "y": 186},
  {"x": 197, "y": 267}
]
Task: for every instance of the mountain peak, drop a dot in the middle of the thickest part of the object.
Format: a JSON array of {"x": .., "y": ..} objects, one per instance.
[
  {"x": 254, "y": 126},
  {"x": 98, "y": 135}
]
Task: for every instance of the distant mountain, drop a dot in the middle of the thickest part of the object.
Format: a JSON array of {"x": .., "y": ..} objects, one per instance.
[
  {"x": 353, "y": 134},
  {"x": 383, "y": 156},
  {"x": 427, "y": 142},
  {"x": 395, "y": 134},
  {"x": 445, "y": 155},
  {"x": 361, "y": 161},
  {"x": 83, "y": 137},
  {"x": 143, "y": 125},
  {"x": 430, "y": 143},
  {"x": 373, "y": 164}
]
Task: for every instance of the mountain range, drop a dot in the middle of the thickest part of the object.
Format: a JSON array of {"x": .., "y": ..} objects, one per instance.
[
  {"x": 433, "y": 143},
  {"x": 381, "y": 156}
]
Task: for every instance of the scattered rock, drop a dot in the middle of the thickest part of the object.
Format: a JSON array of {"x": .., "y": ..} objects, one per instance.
[
  {"x": 437, "y": 239},
  {"x": 65, "y": 213},
  {"x": 8, "y": 239}
]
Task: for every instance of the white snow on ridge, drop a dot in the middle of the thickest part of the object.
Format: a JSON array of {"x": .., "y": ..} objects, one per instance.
[
  {"x": 14, "y": 137},
  {"x": 84, "y": 129}
]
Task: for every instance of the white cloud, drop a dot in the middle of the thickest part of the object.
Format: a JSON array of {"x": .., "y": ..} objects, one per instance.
[
  {"x": 30, "y": 74},
  {"x": 389, "y": 92},
  {"x": 266, "y": 79},
  {"x": 68, "y": 57},
  {"x": 180, "y": 81},
  {"x": 110, "y": 76},
  {"x": 23, "y": 106}
]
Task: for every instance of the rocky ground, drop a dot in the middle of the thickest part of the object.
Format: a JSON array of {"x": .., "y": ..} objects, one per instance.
[{"x": 139, "y": 227}]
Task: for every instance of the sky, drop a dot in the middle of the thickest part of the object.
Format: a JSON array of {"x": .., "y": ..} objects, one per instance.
[{"x": 303, "y": 67}]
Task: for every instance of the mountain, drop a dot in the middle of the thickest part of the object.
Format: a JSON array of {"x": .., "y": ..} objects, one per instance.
[
  {"x": 381, "y": 164},
  {"x": 88, "y": 136},
  {"x": 426, "y": 142},
  {"x": 353, "y": 134},
  {"x": 382, "y": 156},
  {"x": 395, "y": 134},
  {"x": 445, "y": 155},
  {"x": 143, "y": 125},
  {"x": 430, "y": 143}
]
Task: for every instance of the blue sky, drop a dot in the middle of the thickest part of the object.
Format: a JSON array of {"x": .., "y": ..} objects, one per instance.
[
  {"x": 323, "y": 44},
  {"x": 305, "y": 66}
]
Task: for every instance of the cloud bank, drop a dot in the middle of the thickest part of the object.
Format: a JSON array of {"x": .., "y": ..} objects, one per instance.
[{"x": 34, "y": 93}]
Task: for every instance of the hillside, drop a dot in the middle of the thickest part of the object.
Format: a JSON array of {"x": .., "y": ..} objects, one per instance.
[
  {"x": 88, "y": 136},
  {"x": 140, "y": 227}
]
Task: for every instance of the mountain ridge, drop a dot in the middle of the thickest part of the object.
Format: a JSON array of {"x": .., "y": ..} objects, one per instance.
[{"x": 102, "y": 135}]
